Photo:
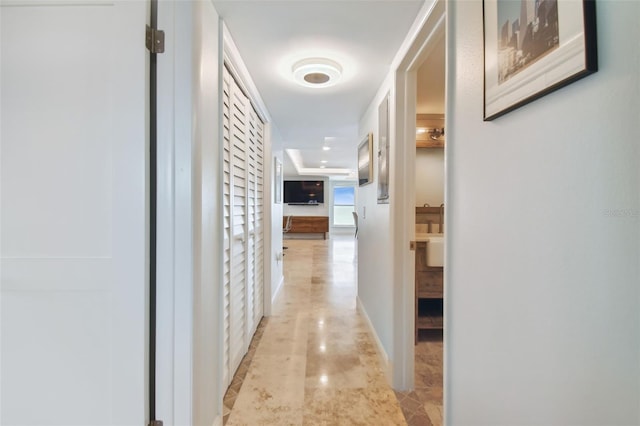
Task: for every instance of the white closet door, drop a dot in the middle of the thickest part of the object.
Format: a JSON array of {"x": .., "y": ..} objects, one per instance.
[
  {"x": 73, "y": 245},
  {"x": 238, "y": 333},
  {"x": 257, "y": 200},
  {"x": 226, "y": 166},
  {"x": 243, "y": 167},
  {"x": 251, "y": 247},
  {"x": 259, "y": 307}
]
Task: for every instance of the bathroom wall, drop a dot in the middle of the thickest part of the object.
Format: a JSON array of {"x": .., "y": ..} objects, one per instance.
[
  {"x": 429, "y": 176},
  {"x": 543, "y": 247}
]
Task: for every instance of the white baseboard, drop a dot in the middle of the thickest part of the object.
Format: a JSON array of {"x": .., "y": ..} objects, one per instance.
[
  {"x": 278, "y": 288},
  {"x": 382, "y": 354}
]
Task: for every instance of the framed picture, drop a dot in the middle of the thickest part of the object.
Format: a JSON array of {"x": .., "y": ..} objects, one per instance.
[
  {"x": 383, "y": 151},
  {"x": 365, "y": 160},
  {"x": 277, "y": 181},
  {"x": 533, "y": 47}
]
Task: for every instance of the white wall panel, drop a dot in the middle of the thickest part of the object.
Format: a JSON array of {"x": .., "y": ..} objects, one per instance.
[
  {"x": 542, "y": 296},
  {"x": 73, "y": 238}
]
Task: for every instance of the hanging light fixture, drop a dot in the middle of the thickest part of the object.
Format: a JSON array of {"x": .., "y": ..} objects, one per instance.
[{"x": 436, "y": 134}]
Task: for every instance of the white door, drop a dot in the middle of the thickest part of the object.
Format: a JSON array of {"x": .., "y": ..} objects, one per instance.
[
  {"x": 239, "y": 221},
  {"x": 255, "y": 283},
  {"x": 235, "y": 191},
  {"x": 73, "y": 242},
  {"x": 243, "y": 169},
  {"x": 226, "y": 191},
  {"x": 251, "y": 218}
]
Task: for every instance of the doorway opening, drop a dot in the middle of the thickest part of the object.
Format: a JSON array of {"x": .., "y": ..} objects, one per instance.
[{"x": 420, "y": 132}]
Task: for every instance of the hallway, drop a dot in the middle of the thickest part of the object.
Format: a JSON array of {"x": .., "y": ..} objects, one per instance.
[{"x": 313, "y": 362}]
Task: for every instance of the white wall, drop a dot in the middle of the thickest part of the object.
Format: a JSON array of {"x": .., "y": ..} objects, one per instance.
[
  {"x": 321, "y": 209},
  {"x": 429, "y": 176},
  {"x": 542, "y": 278},
  {"x": 375, "y": 259},
  {"x": 275, "y": 265}
]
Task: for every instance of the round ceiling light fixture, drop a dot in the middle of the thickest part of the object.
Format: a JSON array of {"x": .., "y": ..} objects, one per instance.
[{"x": 316, "y": 72}]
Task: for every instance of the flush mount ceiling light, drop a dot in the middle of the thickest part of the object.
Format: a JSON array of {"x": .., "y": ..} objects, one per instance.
[{"x": 316, "y": 72}]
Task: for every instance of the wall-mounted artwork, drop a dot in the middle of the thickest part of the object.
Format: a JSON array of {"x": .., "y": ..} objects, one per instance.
[
  {"x": 277, "y": 181},
  {"x": 533, "y": 47},
  {"x": 365, "y": 160},
  {"x": 383, "y": 151}
]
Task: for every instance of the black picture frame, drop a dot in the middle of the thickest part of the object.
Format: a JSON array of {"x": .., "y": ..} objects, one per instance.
[{"x": 557, "y": 46}]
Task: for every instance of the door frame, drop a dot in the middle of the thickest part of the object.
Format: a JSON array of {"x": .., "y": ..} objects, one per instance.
[
  {"x": 231, "y": 57},
  {"x": 431, "y": 31}
]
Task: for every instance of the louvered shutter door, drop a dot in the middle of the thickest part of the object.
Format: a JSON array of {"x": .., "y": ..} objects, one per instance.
[
  {"x": 243, "y": 276},
  {"x": 226, "y": 167},
  {"x": 251, "y": 200},
  {"x": 238, "y": 334},
  {"x": 258, "y": 263}
]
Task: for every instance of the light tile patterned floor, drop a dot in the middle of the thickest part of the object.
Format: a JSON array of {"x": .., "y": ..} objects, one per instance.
[{"x": 314, "y": 362}]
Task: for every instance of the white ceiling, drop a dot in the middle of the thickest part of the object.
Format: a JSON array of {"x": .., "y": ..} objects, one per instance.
[{"x": 363, "y": 36}]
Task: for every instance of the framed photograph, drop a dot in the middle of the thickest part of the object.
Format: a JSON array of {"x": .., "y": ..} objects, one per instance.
[
  {"x": 277, "y": 181},
  {"x": 533, "y": 47},
  {"x": 365, "y": 160},
  {"x": 383, "y": 151}
]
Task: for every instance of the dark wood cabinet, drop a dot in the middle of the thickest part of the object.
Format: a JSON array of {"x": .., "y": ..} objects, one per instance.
[
  {"x": 429, "y": 292},
  {"x": 307, "y": 225}
]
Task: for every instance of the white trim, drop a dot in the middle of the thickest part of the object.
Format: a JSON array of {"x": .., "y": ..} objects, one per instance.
[
  {"x": 267, "y": 188},
  {"x": 382, "y": 354},
  {"x": 430, "y": 30},
  {"x": 277, "y": 292},
  {"x": 220, "y": 367},
  {"x": 414, "y": 33},
  {"x": 240, "y": 72},
  {"x": 174, "y": 367}
]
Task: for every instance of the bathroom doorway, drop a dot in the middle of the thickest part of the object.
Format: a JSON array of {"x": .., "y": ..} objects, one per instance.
[
  {"x": 420, "y": 132},
  {"x": 429, "y": 228}
]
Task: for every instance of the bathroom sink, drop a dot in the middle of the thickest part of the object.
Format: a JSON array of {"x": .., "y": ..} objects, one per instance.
[{"x": 435, "y": 248}]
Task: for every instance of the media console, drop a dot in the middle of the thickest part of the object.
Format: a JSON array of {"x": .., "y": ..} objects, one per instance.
[{"x": 307, "y": 225}]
